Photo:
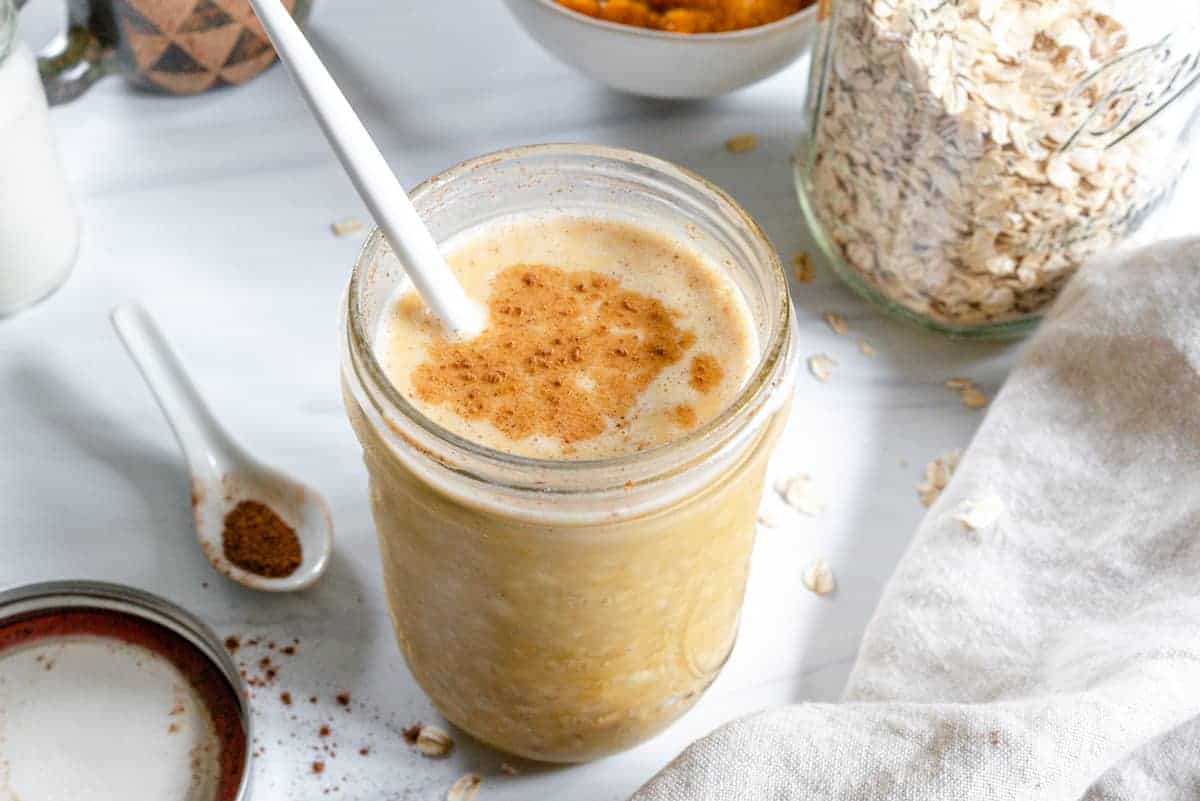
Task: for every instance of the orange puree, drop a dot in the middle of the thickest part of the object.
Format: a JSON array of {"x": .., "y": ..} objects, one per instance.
[{"x": 688, "y": 16}]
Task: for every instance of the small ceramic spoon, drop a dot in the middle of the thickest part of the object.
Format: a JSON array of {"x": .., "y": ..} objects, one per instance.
[{"x": 223, "y": 474}]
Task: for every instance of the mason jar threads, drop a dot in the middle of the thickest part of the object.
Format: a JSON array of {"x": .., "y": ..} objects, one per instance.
[{"x": 963, "y": 159}]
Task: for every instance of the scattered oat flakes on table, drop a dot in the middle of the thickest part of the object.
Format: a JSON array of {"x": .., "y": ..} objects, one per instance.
[
  {"x": 434, "y": 742},
  {"x": 836, "y": 323},
  {"x": 937, "y": 476},
  {"x": 742, "y": 143},
  {"x": 981, "y": 514},
  {"x": 821, "y": 366},
  {"x": 968, "y": 391},
  {"x": 974, "y": 398},
  {"x": 800, "y": 493},
  {"x": 802, "y": 267},
  {"x": 818, "y": 577},
  {"x": 465, "y": 789},
  {"x": 347, "y": 227},
  {"x": 769, "y": 517}
]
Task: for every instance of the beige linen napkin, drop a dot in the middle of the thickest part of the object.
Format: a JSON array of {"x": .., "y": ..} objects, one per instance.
[{"x": 1055, "y": 654}]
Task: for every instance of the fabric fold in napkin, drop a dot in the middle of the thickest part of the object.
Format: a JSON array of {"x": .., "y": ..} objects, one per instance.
[{"x": 1052, "y": 655}]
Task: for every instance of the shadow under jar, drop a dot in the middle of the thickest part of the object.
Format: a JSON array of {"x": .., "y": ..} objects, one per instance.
[
  {"x": 564, "y": 610},
  {"x": 964, "y": 158}
]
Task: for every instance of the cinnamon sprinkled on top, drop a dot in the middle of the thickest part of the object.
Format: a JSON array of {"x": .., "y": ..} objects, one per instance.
[
  {"x": 593, "y": 327},
  {"x": 706, "y": 372},
  {"x": 564, "y": 354},
  {"x": 685, "y": 415}
]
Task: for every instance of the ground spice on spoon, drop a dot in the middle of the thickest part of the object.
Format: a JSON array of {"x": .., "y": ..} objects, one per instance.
[{"x": 258, "y": 541}]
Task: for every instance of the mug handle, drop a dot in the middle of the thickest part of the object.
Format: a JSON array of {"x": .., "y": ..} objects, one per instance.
[{"x": 74, "y": 61}]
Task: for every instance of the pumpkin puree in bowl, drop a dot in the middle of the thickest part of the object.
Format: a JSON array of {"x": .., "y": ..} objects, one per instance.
[{"x": 688, "y": 16}]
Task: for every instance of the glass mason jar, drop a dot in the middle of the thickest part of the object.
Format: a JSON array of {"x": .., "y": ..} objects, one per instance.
[
  {"x": 963, "y": 158},
  {"x": 564, "y": 610}
]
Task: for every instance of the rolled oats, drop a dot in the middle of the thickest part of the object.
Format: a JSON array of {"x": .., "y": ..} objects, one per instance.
[
  {"x": 800, "y": 493},
  {"x": 466, "y": 788},
  {"x": 347, "y": 227},
  {"x": 802, "y": 267},
  {"x": 974, "y": 398},
  {"x": 821, "y": 366},
  {"x": 818, "y": 577},
  {"x": 742, "y": 143},
  {"x": 769, "y": 517},
  {"x": 944, "y": 159},
  {"x": 434, "y": 742},
  {"x": 980, "y": 514},
  {"x": 836, "y": 323},
  {"x": 937, "y": 476},
  {"x": 971, "y": 395}
]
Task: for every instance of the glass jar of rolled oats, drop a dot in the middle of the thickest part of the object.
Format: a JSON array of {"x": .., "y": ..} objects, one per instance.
[{"x": 964, "y": 157}]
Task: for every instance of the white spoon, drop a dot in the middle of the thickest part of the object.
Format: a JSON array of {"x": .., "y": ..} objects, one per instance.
[
  {"x": 371, "y": 175},
  {"x": 223, "y": 474}
]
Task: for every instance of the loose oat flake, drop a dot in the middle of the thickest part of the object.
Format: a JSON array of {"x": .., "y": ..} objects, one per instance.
[
  {"x": 769, "y": 517},
  {"x": 818, "y": 577},
  {"x": 800, "y": 493},
  {"x": 802, "y": 267},
  {"x": 465, "y": 789},
  {"x": 347, "y": 227},
  {"x": 742, "y": 143},
  {"x": 434, "y": 742},
  {"x": 836, "y": 323},
  {"x": 970, "y": 394},
  {"x": 937, "y": 476},
  {"x": 821, "y": 366},
  {"x": 866, "y": 348},
  {"x": 980, "y": 514},
  {"x": 973, "y": 398}
]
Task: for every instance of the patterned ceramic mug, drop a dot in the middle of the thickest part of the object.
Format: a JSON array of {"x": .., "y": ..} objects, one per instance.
[{"x": 173, "y": 46}]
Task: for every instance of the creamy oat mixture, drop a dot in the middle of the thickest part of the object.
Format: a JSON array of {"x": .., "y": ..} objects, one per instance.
[{"x": 603, "y": 338}]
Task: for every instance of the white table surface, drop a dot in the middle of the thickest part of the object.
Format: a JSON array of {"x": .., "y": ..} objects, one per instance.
[{"x": 214, "y": 211}]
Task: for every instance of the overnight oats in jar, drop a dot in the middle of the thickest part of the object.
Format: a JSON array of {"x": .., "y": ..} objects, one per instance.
[
  {"x": 566, "y": 503},
  {"x": 964, "y": 158}
]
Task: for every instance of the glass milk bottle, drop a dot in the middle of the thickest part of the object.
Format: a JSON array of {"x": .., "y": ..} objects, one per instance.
[{"x": 39, "y": 229}]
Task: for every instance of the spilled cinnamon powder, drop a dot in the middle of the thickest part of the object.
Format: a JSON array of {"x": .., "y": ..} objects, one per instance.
[{"x": 565, "y": 354}]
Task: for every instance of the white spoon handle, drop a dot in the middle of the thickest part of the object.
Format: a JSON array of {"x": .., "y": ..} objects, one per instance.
[
  {"x": 209, "y": 450},
  {"x": 371, "y": 175}
]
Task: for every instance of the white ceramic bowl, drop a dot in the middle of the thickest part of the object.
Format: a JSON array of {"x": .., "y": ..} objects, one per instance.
[{"x": 660, "y": 64}]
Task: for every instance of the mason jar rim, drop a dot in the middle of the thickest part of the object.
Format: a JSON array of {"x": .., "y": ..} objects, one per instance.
[{"x": 361, "y": 351}]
